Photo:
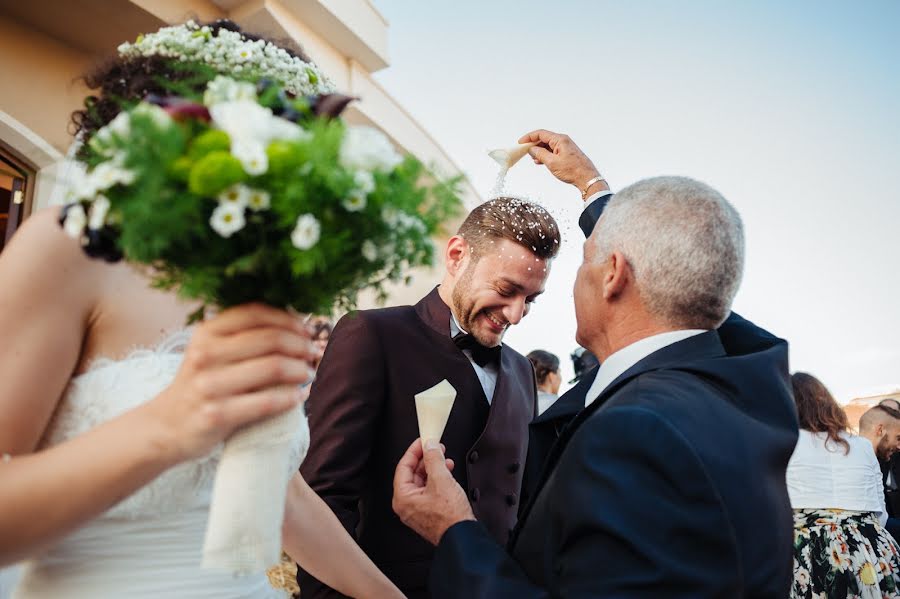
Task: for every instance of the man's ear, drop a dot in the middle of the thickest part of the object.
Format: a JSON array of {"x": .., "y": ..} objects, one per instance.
[
  {"x": 456, "y": 254},
  {"x": 617, "y": 276},
  {"x": 879, "y": 430}
]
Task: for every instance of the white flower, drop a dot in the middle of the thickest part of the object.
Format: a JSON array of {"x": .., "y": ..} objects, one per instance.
[
  {"x": 237, "y": 194},
  {"x": 367, "y": 149},
  {"x": 227, "y": 219},
  {"x": 251, "y": 127},
  {"x": 365, "y": 181},
  {"x": 106, "y": 174},
  {"x": 355, "y": 202},
  {"x": 259, "y": 200},
  {"x": 228, "y": 52},
  {"x": 252, "y": 156},
  {"x": 389, "y": 215},
  {"x": 306, "y": 232},
  {"x": 75, "y": 221},
  {"x": 99, "y": 210},
  {"x": 159, "y": 116},
  {"x": 226, "y": 89},
  {"x": 369, "y": 251}
]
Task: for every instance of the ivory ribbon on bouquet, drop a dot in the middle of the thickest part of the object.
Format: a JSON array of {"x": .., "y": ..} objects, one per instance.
[{"x": 243, "y": 534}]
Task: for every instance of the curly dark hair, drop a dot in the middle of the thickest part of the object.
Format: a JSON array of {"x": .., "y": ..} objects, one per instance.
[
  {"x": 120, "y": 81},
  {"x": 817, "y": 409}
]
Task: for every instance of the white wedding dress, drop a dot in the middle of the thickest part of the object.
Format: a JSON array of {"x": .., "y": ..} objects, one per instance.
[{"x": 149, "y": 545}]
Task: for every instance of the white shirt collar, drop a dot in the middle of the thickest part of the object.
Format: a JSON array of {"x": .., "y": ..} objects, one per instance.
[
  {"x": 630, "y": 355},
  {"x": 455, "y": 329}
]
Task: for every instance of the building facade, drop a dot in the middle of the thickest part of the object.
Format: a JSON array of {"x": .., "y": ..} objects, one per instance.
[{"x": 46, "y": 46}]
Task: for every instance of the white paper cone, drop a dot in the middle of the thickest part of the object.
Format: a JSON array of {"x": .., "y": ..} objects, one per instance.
[
  {"x": 243, "y": 534},
  {"x": 433, "y": 409},
  {"x": 506, "y": 157}
]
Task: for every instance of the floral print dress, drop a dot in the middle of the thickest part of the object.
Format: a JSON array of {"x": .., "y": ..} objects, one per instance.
[{"x": 840, "y": 553}]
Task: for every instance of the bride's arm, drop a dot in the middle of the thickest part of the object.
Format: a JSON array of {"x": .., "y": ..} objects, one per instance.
[
  {"x": 315, "y": 539},
  {"x": 48, "y": 291}
]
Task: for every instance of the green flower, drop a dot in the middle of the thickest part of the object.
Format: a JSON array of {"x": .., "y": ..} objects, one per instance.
[
  {"x": 213, "y": 140},
  {"x": 214, "y": 172}
]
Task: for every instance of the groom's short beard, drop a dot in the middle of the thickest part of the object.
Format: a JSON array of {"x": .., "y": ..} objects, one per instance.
[{"x": 462, "y": 306}]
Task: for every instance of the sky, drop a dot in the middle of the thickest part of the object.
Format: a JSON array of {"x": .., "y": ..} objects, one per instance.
[{"x": 791, "y": 110}]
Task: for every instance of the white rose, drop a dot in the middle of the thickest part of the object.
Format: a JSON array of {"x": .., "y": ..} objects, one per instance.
[
  {"x": 227, "y": 219},
  {"x": 306, "y": 233},
  {"x": 367, "y": 149},
  {"x": 251, "y": 128}
]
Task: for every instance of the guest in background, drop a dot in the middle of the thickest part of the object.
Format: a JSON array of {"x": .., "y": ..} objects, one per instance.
[
  {"x": 583, "y": 361},
  {"x": 841, "y": 547},
  {"x": 546, "y": 370},
  {"x": 887, "y": 415},
  {"x": 321, "y": 334},
  {"x": 880, "y": 424}
]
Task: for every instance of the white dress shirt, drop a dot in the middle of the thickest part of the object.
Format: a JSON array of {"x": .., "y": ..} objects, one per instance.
[
  {"x": 630, "y": 355},
  {"x": 820, "y": 476},
  {"x": 545, "y": 400},
  {"x": 487, "y": 374}
]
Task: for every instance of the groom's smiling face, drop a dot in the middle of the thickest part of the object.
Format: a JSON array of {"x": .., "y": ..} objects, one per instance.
[{"x": 495, "y": 290}]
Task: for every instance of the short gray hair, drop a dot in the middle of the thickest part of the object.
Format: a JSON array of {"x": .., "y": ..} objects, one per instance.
[{"x": 684, "y": 243}]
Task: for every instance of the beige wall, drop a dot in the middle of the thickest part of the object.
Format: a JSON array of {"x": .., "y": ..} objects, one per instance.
[{"x": 39, "y": 89}]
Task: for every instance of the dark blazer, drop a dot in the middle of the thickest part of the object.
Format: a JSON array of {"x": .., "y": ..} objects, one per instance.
[
  {"x": 362, "y": 419},
  {"x": 670, "y": 484}
]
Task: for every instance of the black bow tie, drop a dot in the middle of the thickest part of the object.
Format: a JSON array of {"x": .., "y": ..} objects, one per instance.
[{"x": 481, "y": 354}]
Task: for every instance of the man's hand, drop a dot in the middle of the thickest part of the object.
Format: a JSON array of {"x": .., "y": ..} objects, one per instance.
[
  {"x": 564, "y": 159},
  {"x": 426, "y": 496}
]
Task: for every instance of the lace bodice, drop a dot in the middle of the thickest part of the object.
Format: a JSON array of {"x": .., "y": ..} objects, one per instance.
[
  {"x": 148, "y": 545},
  {"x": 111, "y": 387}
]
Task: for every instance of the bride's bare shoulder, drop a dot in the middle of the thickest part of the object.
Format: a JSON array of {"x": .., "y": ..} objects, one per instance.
[{"x": 42, "y": 254}]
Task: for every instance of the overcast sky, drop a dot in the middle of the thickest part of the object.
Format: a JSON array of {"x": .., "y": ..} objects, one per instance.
[{"x": 791, "y": 110}]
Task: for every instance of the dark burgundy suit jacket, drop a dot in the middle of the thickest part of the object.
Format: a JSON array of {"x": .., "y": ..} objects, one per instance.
[{"x": 362, "y": 419}]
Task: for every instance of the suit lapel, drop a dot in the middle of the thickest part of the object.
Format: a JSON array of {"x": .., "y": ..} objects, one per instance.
[{"x": 706, "y": 345}]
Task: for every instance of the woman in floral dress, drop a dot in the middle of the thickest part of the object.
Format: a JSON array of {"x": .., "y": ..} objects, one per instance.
[{"x": 841, "y": 548}]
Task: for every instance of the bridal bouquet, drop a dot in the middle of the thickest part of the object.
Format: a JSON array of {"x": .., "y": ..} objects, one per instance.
[
  {"x": 249, "y": 195},
  {"x": 251, "y": 191}
]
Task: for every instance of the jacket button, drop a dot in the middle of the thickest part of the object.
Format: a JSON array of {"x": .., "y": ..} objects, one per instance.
[
  {"x": 473, "y": 457},
  {"x": 513, "y": 468},
  {"x": 474, "y": 494},
  {"x": 511, "y": 499}
]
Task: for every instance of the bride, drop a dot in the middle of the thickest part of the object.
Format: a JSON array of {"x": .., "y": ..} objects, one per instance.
[{"x": 112, "y": 414}]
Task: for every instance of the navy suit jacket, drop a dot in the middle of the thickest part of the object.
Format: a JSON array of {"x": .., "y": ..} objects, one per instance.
[{"x": 670, "y": 484}]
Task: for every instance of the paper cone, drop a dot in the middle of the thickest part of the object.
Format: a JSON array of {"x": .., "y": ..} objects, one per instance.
[
  {"x": 433, "y": 409},
  {"x": 509, "y": 156}
]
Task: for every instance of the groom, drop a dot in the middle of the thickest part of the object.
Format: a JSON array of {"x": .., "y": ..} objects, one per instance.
[
  {"x": 669, "y": 482},
  {"x": 362, "y": 413}
]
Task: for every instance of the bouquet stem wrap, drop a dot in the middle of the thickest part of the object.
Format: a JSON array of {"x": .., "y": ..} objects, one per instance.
[{"x": 243, "y": 534}]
